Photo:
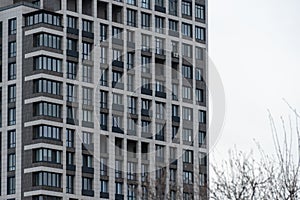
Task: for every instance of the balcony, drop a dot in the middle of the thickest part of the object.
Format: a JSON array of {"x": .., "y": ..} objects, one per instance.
[
  {"x": 175, "y": 119},
  {"x": 88, "y": 193},
  {"x": 160, "y": 9},
  {"x": 117, "y": 130},
  {"x": 71, "y": 167},
  {"x": 119, "y": 197},
  {"x": 104, "y": 195},
  {"x": 89, "y": 170},
  {"x": 146, "y": 91},
  {"x": 73, "y": 31},
  {"x": 146, "y": 113},
  {"x": 118, "y": 63},
  {"x": 160, "y": 94},
  {"x": 88, "y": 34}
]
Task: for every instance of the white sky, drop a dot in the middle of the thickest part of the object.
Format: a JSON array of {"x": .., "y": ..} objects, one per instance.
[{"x": 255, "y": 45}]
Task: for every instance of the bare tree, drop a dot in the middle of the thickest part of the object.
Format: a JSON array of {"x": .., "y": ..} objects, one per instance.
[{"x": 244, "y": 177}]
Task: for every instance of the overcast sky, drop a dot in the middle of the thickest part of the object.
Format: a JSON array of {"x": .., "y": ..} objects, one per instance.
[{"x": 255, "y": 45}]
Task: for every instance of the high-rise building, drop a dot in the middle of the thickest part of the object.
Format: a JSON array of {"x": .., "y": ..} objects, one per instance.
[{"x": 103, "y": 99}]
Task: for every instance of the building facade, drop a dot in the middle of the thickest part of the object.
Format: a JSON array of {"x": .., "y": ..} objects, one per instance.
[{"x": 103, "y": 99}]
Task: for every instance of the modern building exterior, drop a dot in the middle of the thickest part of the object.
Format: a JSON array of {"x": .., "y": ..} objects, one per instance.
[{"x": 103, "y": 99}]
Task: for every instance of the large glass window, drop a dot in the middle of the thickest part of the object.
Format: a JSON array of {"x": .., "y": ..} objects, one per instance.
[
  {"x": 200, "y": 12},
  {"x": 131, "y": 17},
  {"x": 12, "y": 93},
  {"x": 12, "y": 71},
  {"x": 11, "y": 138},
  {"x": 48, "y": 40},
  {"x": 49, "y": 179},
  {"x": 47, "y": 86},
  {"x": 145, "y": 4},
  {"x": 12, "y": 49},
  {"x": 12, "y": 26},
  {"x": 47, "y": 155},
  {"x": 46, "y": 131},
  {"x": 12, "y": 162},
  {"x": 11, "y": 116},
  {"x": 186, "y": 30},
  {"x": 43, "y": 18},
  {"x": 146, "y": 21},
  {"x": 200, "y": 33},
  {"x": 47, "y": 63},
  {"x": 186, "y": 8},
  {"x": 69, "y": 184},
  {"x": 47, "y": 109}
]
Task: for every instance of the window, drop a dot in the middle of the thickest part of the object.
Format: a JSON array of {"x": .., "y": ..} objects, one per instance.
[
  {"x": 47, "y": 109},
  {"x": 131, "y": 2},
  {"x": 46, "y": 131},
  {"x": 12, "y": 26},
  {"x": 146, "y": 64},
  {"x": 173, "y": 153},
  {"x": 48, "y": 63},
  {"x": 202, "y": 179},
  {"x": 144, "y": 172},
  {"x": 175, "y": 92},
  {"x": 103, "y": 32},
  {"x": 87, "y": 161},
  {"x": 87, "y": 115},
  {"x": 11, "y": 139},
  {"x": 131, "y": 17},
  {"x": 48, "y": 40},
  {"x": 12, "y": 49},
  {"x": 119, "y": 188},
  {"x": 71, "y": 44},
  {"x": 130, "y": 60},
  {"x": 12, "y": 71},
  {"x": 131, "y": 192},
  {"x": 198, "y": 74},
  {"x": 159, "y": 3},
  {"x": 187, "y": 50},
  {"x": 186, "y": 29},
  {"x": 71, "y": 93},
  {"x": 159, "y": 24},
  {"x": 175, "y": 110},
  {"x": 130, "y": 36},
  {"x": 117, "y": 55},
  {"x": 160, "y": 110},
  {"x": 116, "y": 77},
  {"x": 159, "y": 86},
  {"x": 187, "y": 71},
  {"x": 47, "y": 155},
  {"x": 104, "y": 77},
  {"x": 117, "y": 121},
  {"x": 103, "y": 167},
  {"x": 43, "y": 18},
  {"x": 11, "y": 162},
  {"x": 69, "y": 184},
  {"x": 47, "y": 86},
  {"x": 71, "y": 113},
  {"x": 174, "y": 131},
  {"x": 187, "y": 113},
  {"x": 87, "y": 26},
  {"x": 11, "y": 185},
  {"x": 103, "y": 99},
  {"x": 146, "y": 21},
  {"x": 117, "y": 99},
  {"x": 200, "y": 33},
  {"x": 71, "y": 22},
  {"x": 199, "y": 12},
  {"x": 160, "y": 153},
  {"x": 160, "y": 131},
  {"x": 131, "y": 170},
  {"x": 187, "y": 177},
  {"x": 70, "y": 137},
  {"x": 173, "y": 25},
  {"x": 104, "y": 186},
  {"x": 146, "y": 42},
  {"x": 86, "y": 51},
  {"x": 186, "y": 8},
  {"x": 103, "y": 55},
  {"x": 159, "y": 46},
  {"x": 173, "y": 195},
  {"x": 11, "y": 93},
  {"x": 187, "y": 135},
  {"x": 87, "y": 96},
  {"x": 173, "y": 175},
  {"x": 186, "y": 93},
  {"x": 146, "y": 85},
  {"x": 131, "y": 125},
  {"x": 47, "y": 179},
  {"x": 145, "y": 4},
  {"x": 87, "y": 74},
  {"x": 202, "y": 159},
  {"x": 87, "y": 183},
  {"x": 130, "y": 82},
  {"x": 87, "y": 138},
  {"x": 117, "y": 33},
  {"x": 201, "y": 138},
  {"x": 187, "y": 196},
  {"x": 70, "y": 158},
  {"x": 146, "y": 127},
  {"x": 103, "y": 121},
  {"x": 199, "y": 95},
  {"x": 11, "y": 116},
  {"x": 187, "y": 156},
  {"x": 146, "y": 104},
  {"x": 201, "y": 116},
  {"x": 131, "y": 105},
  {"x": 118, "y": 169}
]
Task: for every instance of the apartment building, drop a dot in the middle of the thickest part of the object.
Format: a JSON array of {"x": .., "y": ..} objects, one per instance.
[{"x": 103, "y": 99}]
